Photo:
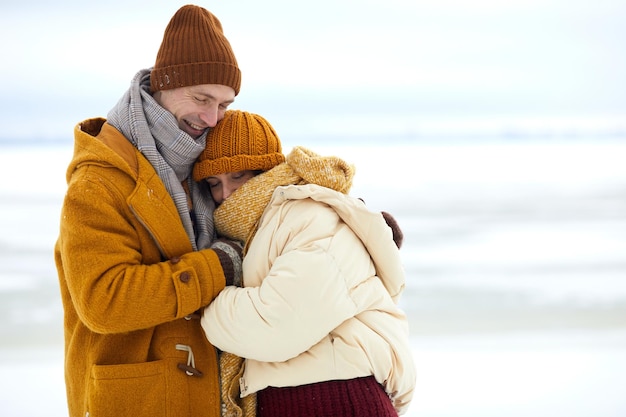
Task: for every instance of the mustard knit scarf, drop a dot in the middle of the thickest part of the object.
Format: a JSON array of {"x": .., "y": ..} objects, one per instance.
[{"x": 238, "y": 217}]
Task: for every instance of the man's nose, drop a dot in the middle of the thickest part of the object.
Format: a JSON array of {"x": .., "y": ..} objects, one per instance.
[{"x": 210, "y": 116}]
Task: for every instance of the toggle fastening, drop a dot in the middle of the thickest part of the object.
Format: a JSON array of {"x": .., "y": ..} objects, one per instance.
[{"x": 190, "y": 366}]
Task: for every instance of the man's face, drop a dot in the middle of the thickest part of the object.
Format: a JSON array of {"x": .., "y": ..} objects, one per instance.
[{"x": 198, "y": 107}]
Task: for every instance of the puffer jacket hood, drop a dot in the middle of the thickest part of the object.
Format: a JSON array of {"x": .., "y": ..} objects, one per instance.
[{"x": 369, "y": 226}]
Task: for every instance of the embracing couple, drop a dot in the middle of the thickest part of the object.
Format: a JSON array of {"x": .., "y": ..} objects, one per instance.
[{"x": 205, "y": 273}]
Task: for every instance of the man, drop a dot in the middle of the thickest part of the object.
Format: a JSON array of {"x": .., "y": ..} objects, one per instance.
[{"x": 136, "y": 254}]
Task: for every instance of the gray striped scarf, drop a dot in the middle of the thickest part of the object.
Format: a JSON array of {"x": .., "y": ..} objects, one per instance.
[{"x": 172, "y": 152}]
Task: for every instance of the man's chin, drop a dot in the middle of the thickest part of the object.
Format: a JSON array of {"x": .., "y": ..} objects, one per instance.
[{"x": 194, "y": 133}]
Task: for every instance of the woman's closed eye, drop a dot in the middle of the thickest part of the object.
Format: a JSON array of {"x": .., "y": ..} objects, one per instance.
[{"x": 213, "y": 183}]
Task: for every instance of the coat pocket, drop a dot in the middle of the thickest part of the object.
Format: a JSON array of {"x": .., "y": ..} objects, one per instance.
[{"x": 128, "y": 390}]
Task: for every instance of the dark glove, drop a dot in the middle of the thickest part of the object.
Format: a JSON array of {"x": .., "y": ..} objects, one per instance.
[
  {"x": 230, "y": 254},
  {"x": 398, "y": 236}
]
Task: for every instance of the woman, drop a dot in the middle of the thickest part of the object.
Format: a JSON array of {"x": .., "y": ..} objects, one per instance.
[{"x": 317, "y": 318}]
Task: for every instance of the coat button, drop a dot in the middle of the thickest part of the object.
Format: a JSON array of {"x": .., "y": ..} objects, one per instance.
[
  {"x": 175, "y": 260},
  {"x": 184, "y": 277}
]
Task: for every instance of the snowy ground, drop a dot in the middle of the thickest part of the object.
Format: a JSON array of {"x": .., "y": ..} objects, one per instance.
[
  {"x": 516, "y": 265},
  {"x": 577, "y": 374}
]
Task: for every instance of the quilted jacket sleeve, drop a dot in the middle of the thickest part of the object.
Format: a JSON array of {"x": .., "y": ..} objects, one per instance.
[{"x": 304, "y": 294}]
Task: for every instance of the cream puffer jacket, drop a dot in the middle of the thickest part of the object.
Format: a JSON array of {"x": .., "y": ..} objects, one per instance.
[{"x": 322, "y": 279}]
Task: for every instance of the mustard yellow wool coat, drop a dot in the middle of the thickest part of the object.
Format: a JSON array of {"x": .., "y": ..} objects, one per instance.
[{"x": 128, "y": 309}]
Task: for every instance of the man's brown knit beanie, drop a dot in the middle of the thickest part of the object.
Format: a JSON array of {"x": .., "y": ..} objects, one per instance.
[
  {"x": 194, "y": 51},
  {"x": 241, "y": 141}
]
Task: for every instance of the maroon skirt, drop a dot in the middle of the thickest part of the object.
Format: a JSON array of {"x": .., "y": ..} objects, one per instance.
[{"x": 359, "y": 397}]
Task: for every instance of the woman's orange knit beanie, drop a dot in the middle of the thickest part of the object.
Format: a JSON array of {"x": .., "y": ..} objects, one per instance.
[
  {"x": 241, "y": 141},
  {"x": 194, "y": 51}
]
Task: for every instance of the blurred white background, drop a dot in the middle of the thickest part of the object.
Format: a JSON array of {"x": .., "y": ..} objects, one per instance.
[
  {"x": 398, "y": 67},
  {"x": 494, "y": 131}
]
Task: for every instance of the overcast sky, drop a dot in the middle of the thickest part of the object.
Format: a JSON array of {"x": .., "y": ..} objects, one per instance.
[{"x": 362, "y": 65}]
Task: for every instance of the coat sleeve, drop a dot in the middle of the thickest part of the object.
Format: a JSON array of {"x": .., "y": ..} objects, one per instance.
[
  {"x": 113, "y": 269},
  {"x": 304, "y": 296}
]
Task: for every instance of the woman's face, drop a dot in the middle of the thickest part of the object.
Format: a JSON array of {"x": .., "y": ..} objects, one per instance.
[{"x": 223, "y": 185}]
